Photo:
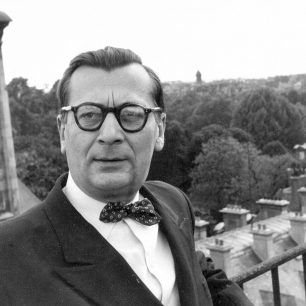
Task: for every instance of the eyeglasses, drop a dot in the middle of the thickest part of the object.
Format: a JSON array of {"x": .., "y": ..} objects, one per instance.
[{"x": 131, "y": 117}]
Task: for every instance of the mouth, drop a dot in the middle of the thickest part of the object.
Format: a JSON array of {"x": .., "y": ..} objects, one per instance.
[{"x": 109, "y": 160}]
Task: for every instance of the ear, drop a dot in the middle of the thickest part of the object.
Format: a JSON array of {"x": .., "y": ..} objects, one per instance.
[
  {"x": 160, "y": 140},
  {"x": 61, "y": 130}
]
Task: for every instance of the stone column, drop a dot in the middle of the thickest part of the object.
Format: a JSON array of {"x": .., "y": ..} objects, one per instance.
[
  {"x": 298, "y": 228},
  {"x": 296, "y": 182},
  {"x": 234, "y": 216},
  {"x": 302, "y": 194},
  {"x": 220, "y": 255},
  {"x": 270, "y": 208},
  {"x": 200, "y": 229},
  {"x": 263, "y": 242},
  {"x": 9, "y": 195}
]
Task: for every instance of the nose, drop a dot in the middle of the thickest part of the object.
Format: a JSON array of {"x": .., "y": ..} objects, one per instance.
[{"x": 110, "y": 132}]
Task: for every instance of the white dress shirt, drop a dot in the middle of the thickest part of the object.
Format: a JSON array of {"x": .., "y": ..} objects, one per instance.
[{"x": 143, "y": 247}]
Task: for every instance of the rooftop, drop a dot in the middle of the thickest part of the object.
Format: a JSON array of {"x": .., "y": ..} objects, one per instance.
[
  {"x": 241, "y": 239},
  {"x": 242, "y": 257}
]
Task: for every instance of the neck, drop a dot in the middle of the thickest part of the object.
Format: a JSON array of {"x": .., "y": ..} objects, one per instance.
[{"x": 113, "y": 196}]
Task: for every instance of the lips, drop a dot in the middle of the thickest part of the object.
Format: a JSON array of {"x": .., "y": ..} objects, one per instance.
[
  {"x": 111, "y": 164},
  {"x": 109, "y": 160}
]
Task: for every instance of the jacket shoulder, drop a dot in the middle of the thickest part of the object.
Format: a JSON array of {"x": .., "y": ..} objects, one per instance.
[
  {"x": 172, "y": 196},
  {"x": 21, "y": 227},
  {"x": 161, "y": 188}
]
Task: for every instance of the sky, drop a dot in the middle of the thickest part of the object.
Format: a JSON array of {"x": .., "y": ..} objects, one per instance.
[{"x": 223, "y": 39}]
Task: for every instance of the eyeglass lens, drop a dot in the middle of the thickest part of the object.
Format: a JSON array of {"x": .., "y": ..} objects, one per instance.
[{"x": 131, "y": 117}]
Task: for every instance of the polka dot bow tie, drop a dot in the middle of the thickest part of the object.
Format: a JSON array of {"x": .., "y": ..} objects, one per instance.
[{"x": 141, "y": 211}]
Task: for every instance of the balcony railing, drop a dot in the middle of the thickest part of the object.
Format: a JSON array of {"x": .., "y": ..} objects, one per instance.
[{"x": 272, "y": 265}]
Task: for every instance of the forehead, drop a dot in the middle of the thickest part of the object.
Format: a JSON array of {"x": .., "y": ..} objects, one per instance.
[{"x": 130, "y": 82}]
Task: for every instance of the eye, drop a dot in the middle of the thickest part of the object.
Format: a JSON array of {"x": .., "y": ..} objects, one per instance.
[
  {"x": 132, "y": 114},
  {"x": 89, "y": 115}
]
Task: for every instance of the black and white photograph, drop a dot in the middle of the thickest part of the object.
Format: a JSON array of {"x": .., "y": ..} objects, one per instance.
[{"x": 153, "y": 153}]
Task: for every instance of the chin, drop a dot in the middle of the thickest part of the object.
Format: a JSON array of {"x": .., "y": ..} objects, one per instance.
[
  {"x": 117, "y": 187},
  {"x": 113, "y": 183}
]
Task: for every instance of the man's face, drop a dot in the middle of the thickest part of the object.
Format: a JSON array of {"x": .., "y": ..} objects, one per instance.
[{"x": 110, "y": 164}]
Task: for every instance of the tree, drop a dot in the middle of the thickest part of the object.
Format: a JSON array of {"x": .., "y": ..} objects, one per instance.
[
  {"x": 274, "y": 148},
  {"x": 212, "y": 110},
  {"x": 182, "y": 106},
  {"x": 203, "y": 136},
  {"x": 169, "y": 165},
  {"x": 39, "y": 167},
  {"x": 216, "y": 177},
  {"x": 227, "y": 171},
  {"x": 36, "y": 140},
  {"x": 270, "y": 175},
  {"x": 267, "y": 116},
  {"x": 28, "y": 107},
  {"x": 293, "y": 96},
  {"x": 29, "y": 97},
  {"x": 240, "y": 135}
]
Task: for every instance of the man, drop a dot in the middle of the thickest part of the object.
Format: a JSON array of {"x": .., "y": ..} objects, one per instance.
[{"x": 87, "y": 243}]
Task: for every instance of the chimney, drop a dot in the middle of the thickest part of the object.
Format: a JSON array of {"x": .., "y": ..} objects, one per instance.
[
  {"x": 270, "y": 208},
  {"x": 263, "y": 242},
  {"x": 200, "y": 229},
  {"x": 302, "y": 195},
  {"x": 298, "y": 227},
  {"x": 296, "y": 182},
  {"x": 220, "y": 255},
  {"x": 234, "y": 216}
]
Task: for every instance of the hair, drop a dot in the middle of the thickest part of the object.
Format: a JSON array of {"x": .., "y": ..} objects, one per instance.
[{"x": 108, "y": 59}]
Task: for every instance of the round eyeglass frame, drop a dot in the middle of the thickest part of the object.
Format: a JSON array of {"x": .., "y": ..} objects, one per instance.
[{"x": 115, "y": 110}]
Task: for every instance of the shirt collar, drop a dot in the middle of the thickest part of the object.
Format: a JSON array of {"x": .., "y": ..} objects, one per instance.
[{"x": 88, "y": 207}]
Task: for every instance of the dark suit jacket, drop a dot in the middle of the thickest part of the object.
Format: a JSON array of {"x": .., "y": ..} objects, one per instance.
[{"x": 51, "y": 256}]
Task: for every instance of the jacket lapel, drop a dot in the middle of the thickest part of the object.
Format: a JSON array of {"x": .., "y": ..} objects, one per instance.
[
  {"x": 91, "y": 266},
  {"x": 182, "y": 247}
]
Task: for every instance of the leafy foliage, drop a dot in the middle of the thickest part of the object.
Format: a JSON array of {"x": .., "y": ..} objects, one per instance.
[
  {"x": 274, "y": 148},
  {"x": 227, "y": 172},
  {"x": 170, "y": 164},
  {"x": 240, "y": 135},
  {"x": 203, "y": 136},
  {"x": 269, "y": 174},
  {"x": 214, "y": 135},
  {"x": 216, "y": 178},
  {"x": 212, "y": 111},
  {"x": 38, "y": 157},
  {"x": 268, "y": 116}
]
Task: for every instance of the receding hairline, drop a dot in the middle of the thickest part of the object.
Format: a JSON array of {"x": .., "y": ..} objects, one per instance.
[
  {"x": 108, "y": 59},
  {"x": 111, "y": 70}
]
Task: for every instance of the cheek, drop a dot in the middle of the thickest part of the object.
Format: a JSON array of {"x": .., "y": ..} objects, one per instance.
[
  {"x": 76, "y": 147},
  {"x": 144, "y": 150}
]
